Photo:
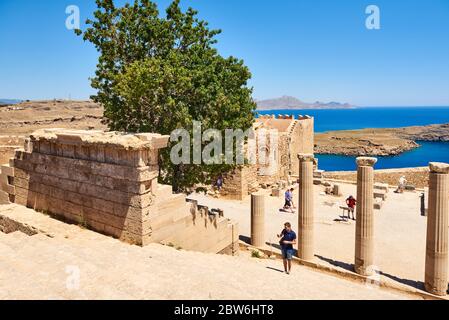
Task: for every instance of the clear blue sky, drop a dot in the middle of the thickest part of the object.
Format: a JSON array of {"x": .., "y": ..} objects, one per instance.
[{"x": 311, "y": 49}]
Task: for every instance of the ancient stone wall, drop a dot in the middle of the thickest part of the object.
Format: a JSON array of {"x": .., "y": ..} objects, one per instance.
[
  {"x": 294, "y": 136},
  {"x": 240, "y": 182},
  {"x": 107, "y": 182},
  {"x": 302, "y": 140}
]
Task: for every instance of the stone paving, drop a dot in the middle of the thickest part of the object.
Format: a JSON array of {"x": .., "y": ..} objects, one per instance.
[{"x": 74, "y": 263}]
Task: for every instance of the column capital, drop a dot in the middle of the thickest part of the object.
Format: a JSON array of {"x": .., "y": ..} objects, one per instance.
[
  {"x": 305, "y": 157},
  {"x": 439, "y": 167},
  {"x": 366, "y": 161}
]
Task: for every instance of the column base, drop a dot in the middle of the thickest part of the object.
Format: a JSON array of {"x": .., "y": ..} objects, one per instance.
[{"x": 366, "y": 271}]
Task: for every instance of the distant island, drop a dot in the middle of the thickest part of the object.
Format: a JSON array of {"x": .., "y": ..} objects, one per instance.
[
  {"x": 9, "y": 101},
  {"x": 287, "y": 102}
]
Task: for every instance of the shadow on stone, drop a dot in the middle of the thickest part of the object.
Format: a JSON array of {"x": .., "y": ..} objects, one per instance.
[
  {"x": 340, "y": 264},
  {"x": 412, "y": 283},
  {"x": 245, "y": 239},
  {"x": 275, "y": 269}
]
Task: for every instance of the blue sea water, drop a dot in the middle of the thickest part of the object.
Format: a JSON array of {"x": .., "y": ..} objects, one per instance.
[{"x": 385, "y": 117}]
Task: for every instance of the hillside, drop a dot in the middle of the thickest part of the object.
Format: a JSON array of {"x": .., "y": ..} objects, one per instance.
[{"x": 287, "y": 102}]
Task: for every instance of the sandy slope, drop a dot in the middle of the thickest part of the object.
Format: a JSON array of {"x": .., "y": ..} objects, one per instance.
[{"x": 39, "y": 267}]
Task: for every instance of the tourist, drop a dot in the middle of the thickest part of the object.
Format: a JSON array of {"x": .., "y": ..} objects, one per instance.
[
  {"x": 401, "y": 184},
  {"x": 288, "y": 239},
  {"x": 350, "y": 202},
  {"x": 289, "y": 205},
  {"x": 219, "y": 183}
]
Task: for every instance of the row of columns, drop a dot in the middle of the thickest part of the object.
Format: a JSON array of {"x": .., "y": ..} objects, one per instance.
[{"x": 436, "y": 267}]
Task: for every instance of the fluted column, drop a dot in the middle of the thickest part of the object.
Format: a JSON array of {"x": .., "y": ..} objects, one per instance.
[
  {"x": 305, "y": 207},
  {"x": 258, "y": 219},
  {"x": 364, "y": 232},
  {"x": 437, "y": 230}
]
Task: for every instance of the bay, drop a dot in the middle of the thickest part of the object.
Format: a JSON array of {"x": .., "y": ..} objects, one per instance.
[{"x": 379, "y": 117}]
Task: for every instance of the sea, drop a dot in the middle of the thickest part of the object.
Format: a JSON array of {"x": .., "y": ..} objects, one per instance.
[{"x": 378, "y": 117}]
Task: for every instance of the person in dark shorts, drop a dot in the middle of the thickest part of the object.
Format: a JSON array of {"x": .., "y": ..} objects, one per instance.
[
  {"x": 288, "y": 239},
  {"x": 289, "y": 205}
]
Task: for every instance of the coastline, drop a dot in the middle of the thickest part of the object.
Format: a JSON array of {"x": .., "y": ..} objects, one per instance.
[{"x": 379, "y": 141}]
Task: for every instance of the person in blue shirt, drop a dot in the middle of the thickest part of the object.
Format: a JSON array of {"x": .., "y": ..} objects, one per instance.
[
  {"x": 287, "y": 240},
  {"x": 289, "y": 205}
]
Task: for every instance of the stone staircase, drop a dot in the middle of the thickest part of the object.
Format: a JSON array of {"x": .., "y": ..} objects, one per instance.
[
  {"x": 43, "y": 261},
  {"x": 178, "y": 223}
]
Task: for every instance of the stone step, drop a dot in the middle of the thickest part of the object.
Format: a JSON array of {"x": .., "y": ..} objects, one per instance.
[
  {"x": 172, "y": 202},
  {"x": 165, "y": 217}
]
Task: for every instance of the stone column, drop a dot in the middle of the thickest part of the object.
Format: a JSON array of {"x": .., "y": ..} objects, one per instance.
[
  {"x": 364, "y": 238},
  {"x": 305, "y": 207},
  {"x": 437, "y": 230},
  {"x": 258, "y": 219}
]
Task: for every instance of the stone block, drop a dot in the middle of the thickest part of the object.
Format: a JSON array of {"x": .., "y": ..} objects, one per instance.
[
  {"x": 381, "y": 186},
  {"x": 9, "y": 189},
  {"x": 4, "y": 198},
  {"x": 380, "y": 194},
  {"x": 21, "y": 201},
  {"x": 96, "y": 153},
  {"x": 21, "y": 183},
  {"x": 337, "y": 190},
  {"x": 378, "y": 204},
  {"x": 96, "y": 226},
  {"x": 68, "y": 151},
  {"x": 7, "y": 171},
  {"x": 45, "y": 147},
  {"x": 82, "y": 152},
  {"x": 19, "y": 173},
  {"x": 23, "y": 165},
  {"x": 22, "y": 193},
  {"x": 318, "y": 174},
  {"x": 103, "y": 217},
  {"x": 111, "y": 155},
  {"x": 73, "y": 210},
  {"x": 112, "y": 231}
]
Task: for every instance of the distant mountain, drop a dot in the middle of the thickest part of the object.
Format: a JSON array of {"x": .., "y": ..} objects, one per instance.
[
  {"x": 9, "y": 101},
  {"x": 287, "y": 102}
]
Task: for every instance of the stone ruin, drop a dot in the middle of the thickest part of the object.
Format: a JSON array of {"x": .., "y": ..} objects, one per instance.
[
  {"x": 295, "y": 135},
  {"x": 437, "y": 234},
  {"x": 108, "y": 182}
]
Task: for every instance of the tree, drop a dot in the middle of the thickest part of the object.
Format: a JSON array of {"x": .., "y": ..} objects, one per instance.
[{"x": 158, "y": 74}]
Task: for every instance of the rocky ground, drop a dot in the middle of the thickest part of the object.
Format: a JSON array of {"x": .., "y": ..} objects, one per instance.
[
  {"x": 18, "y": 121},
  {"x": 26, "y": 117},
  {"x": 417, "y": 177},
  {"x": 378, "y": 142}
]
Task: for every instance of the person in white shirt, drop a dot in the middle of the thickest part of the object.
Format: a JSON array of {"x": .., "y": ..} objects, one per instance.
[{"x": 401, "y": 184}]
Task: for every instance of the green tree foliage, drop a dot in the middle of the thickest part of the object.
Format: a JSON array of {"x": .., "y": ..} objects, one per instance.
[{"x": 157, "y": 74}]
